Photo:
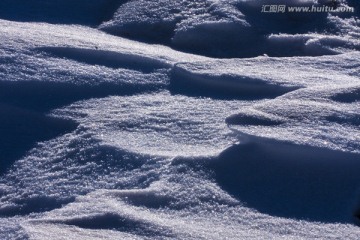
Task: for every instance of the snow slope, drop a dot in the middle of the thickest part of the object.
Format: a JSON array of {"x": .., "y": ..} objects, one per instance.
[{"x": 103, "y": 137}]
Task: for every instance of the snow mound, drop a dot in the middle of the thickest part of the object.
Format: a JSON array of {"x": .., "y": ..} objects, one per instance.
[
  {"x": 140, "y": 124},
  {"x": 110, "y": 59},
  {"x": 235, "y": 28},
  {"x": 228, "y": 86},
  {"x": 291, "y": 181}
]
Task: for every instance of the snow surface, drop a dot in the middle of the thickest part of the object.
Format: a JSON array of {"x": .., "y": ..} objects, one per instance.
[{"x": 103, "y": 137}]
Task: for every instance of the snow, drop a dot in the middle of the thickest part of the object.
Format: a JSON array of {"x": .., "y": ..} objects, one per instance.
[
  {"x": 234, "y": 28},
  {"x": 178, "y": 120}
]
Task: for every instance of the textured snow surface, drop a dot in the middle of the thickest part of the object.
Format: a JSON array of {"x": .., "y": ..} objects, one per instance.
[
  {"x": 235, "y": 28},
  {"x": 103, "y": 137}
]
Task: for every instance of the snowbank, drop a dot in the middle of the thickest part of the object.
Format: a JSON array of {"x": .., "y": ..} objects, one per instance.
[{"x": 232, "y": 28}]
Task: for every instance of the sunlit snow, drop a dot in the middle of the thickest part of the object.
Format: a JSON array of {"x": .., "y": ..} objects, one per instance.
[{"x": 178, "y": 120}]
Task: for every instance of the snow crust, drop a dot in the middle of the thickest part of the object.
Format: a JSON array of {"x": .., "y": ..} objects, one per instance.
[
  {"x": 121, "y": 139},
  {"x": 235, "y": 28}
]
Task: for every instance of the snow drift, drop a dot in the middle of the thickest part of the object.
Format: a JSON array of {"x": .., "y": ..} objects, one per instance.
[
  {"x": 123, "y": 139},
  {"x": 232, "y": 28}
]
